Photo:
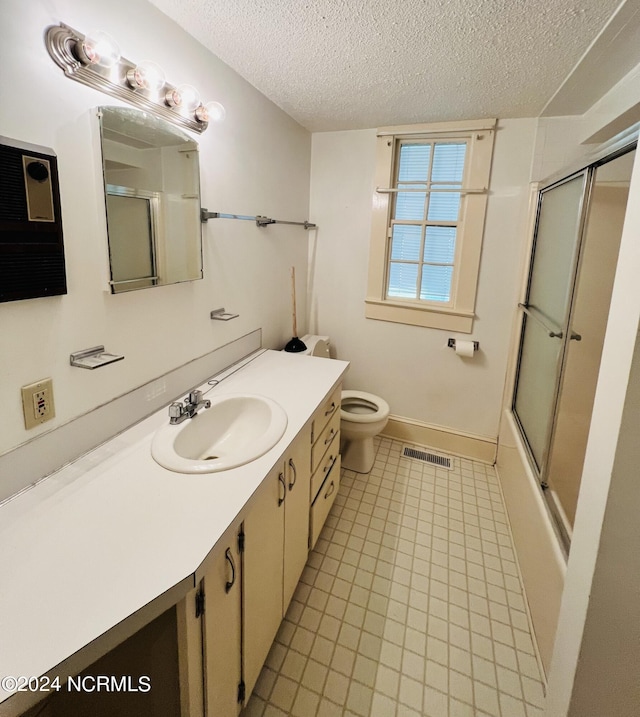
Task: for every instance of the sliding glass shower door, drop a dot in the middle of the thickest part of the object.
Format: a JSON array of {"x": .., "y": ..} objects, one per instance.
[
  {"x": 608, "y": 195},
  {"x": 574, "y": 258},
  {"x": 546, "y": 311}
]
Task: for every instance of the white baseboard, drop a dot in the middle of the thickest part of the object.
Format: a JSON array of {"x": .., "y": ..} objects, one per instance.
[{"x": 444, "y": 440}]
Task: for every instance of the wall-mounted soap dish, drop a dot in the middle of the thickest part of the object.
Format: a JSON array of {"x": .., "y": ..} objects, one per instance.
[
  {"x": 93, "y": 358},
  {"x": 222, "y": 315}
]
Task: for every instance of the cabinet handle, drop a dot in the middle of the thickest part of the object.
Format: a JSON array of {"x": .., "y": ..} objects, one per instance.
[
  {"x": 329, "y": 438},
  {"x": 327, "y": 468},
  {"x": 332, "y": 408},
  {"x": 332, "y": 487},
  {"x": 292, "y": 465},
  {"x": 230, "y": 583},
  {"x": 284, "y": 485}
]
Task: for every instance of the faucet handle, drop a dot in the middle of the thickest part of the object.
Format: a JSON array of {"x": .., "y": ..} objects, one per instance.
[
  {"x": 175, "y": 410},
  {"x": 194, "y": 397}
]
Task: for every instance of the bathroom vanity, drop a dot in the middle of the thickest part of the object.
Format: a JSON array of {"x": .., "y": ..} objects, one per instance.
[{"x": 115, "y": 550}]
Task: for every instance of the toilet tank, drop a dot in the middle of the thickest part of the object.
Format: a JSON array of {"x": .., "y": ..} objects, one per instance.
[{"x": 317, "y": 345}]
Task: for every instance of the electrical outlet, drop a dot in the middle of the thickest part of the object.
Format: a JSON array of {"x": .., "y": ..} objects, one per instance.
[{"x": 37, "y": 402}]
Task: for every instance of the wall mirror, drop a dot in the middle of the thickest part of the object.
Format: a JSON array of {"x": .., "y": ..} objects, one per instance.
[{"x": 152, "y": 197}]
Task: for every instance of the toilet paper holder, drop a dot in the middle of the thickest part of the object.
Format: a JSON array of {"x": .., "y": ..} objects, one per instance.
[{"x": 451, "y": 343}]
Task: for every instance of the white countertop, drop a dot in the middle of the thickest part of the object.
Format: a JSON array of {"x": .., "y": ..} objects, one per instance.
[{"x": 106, "y": 535}]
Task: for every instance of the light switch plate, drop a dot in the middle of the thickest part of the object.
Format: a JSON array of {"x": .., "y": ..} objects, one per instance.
[{"x": 37, "y": 402}]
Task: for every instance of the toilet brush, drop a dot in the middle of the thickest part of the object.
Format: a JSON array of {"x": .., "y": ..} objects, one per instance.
[{"x": 295, "y": 345}]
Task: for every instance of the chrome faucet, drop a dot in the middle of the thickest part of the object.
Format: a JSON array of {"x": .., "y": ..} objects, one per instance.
[{"x": 192, "y": 404}]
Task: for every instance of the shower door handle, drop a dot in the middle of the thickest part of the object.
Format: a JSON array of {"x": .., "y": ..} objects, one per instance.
[{"x": 550, "y": 332}]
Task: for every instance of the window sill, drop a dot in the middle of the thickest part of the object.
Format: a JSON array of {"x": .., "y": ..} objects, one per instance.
[{"x": 427, "y": 316}]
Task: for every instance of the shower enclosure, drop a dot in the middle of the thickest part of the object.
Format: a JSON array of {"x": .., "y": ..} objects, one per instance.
[{"x": 576, "y": 241}]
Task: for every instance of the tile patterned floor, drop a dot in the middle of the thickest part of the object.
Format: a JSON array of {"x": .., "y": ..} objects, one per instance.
[{"x": 410, "y": 604}]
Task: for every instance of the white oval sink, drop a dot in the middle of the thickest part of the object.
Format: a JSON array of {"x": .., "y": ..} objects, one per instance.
[{"x": 236, "y": 429}]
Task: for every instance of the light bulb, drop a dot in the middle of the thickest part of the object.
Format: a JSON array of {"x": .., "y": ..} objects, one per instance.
[
  {"x": 147, "y": 76},
  {"x": 98, "y": 48},
  {"x": 190, "y": 97},
  {"x": 86, "y": 53},
  {"x": 211, "y": 112}
]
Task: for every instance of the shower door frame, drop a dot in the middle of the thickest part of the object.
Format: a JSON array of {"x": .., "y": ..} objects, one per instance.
[{"x": 607, "y": 154}]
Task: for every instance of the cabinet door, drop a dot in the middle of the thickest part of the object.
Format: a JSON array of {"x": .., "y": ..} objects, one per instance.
[
  {"x": 222, "y": 630},
  {"x": 262, "y": 573},
  {"x": 296, "y": 516},
  {"x": 190, "y": 657}
]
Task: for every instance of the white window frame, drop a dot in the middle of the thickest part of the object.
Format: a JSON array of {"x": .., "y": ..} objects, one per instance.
[{"x": 459, "y": 312}]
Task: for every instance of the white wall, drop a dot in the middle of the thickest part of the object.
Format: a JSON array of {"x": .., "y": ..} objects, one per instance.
[
  {"x": 256, "y": 162},
  {"x": 412, "y": 367}
]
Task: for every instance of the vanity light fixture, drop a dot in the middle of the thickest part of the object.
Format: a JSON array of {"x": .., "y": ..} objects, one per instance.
[{"x": 95, "y": 61}]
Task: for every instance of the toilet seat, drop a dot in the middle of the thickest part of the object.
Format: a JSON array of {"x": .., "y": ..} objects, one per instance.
[{"x": 362, "y": 407}]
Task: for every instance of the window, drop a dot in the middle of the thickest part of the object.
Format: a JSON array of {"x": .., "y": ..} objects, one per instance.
[{"x": 428, "y": 221}]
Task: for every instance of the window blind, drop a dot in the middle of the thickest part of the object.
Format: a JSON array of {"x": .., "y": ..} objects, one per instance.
[{"x": 424, "y": 224}]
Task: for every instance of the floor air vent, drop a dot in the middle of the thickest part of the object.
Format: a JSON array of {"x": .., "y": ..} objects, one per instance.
[{"x": 442, "y": 461}]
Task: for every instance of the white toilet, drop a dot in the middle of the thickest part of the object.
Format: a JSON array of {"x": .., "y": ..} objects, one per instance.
[{"x": 362, "y": 416}]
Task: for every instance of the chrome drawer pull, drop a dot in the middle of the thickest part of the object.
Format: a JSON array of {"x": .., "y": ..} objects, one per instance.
[
  {"x": 329, "y": 464},
  {"x": 332, "y": 408},
  {"x": 332, "y": 487},
  {"x": 284, "y": 485},
  {"x": 329, "y": 438}
]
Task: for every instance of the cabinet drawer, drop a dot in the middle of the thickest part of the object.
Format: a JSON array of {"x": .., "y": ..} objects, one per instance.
[
  {"x": 323, "y": 502},
  {"x": 325, "y": 412},
  {"x": 322, "y": 471},
  {"x": 324, "y": 440}
]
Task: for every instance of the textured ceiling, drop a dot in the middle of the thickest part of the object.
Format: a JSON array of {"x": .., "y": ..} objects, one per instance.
[{"x": 349, "y": 64}]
